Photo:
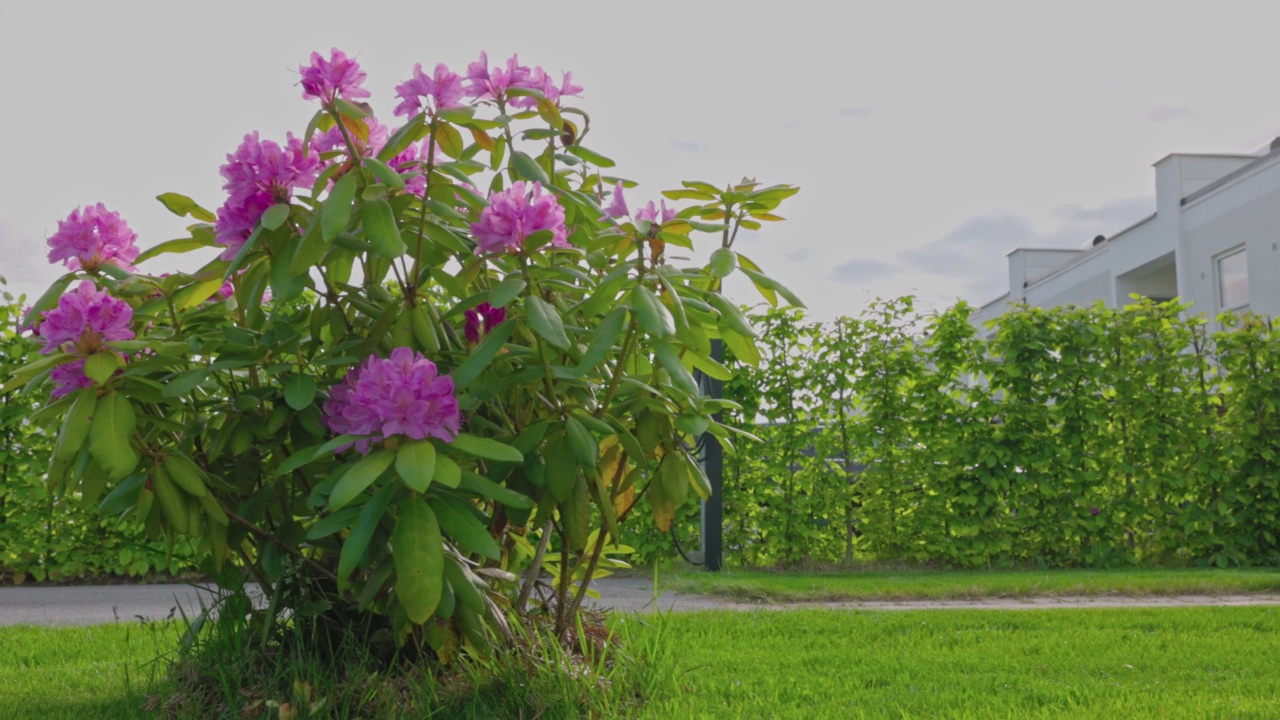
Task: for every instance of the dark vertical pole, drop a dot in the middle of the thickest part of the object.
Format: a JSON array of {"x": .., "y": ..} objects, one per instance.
[{"x": 713, "y": 463}]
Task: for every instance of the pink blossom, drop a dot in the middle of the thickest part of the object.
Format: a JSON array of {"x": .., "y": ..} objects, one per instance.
[
  {"x": 618, "y": 204},
  {"x": 237, "y": 220},
  {"x": 442, "y": 90},
  {"x": 484, "y": 83},
  {"x": 84, "y": 320},
  {"x": 337, "y": 77},
  {"x": 399, "y": 395},
  {"x": 516, "y": 213},
  {"x": 482, "y": 319},
  {"x": 541, "y": 81},
  {"x": 69, "y": 377},
  {"x": 650, "y": 213},
  {"x": 93, "y": 236},
  {"x": 259, "y": 174}
]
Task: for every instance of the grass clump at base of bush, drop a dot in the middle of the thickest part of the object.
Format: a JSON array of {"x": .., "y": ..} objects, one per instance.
[{"x": 888, "y": 585}]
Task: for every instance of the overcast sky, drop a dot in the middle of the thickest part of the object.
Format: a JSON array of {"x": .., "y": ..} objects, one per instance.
[{"x": 929, "y": 139}]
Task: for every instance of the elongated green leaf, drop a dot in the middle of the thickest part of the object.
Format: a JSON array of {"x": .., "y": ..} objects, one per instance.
[
  {"x": 764, "y": 283},
  {"x": 592, "y": 157},
  {"x": 299, "y": 391},
  {"x": 111, "y": 433},
  {"x": 380, "y": 229},
  {"x": 448, "y": 473},
  {"x": 275, "y": 216},
  {"x": 185, "y": 382},
  {"x": 419, "y": 557},
  {"x": 680, "y": 375},
  {"x": 353, "y": 548},
  {"x": 528, "y": 168},
  {"x": 546, "y": 321},
  {"x": 450, "y": 140},
  {"x": 652, "y": 315},
  {"x": 484, "y": 487},
  {"x": 181, "y": 205},
  {"x": 360, "y": 476},
  {"x": 196, "y": 293},
  {"x": 602, "y": 341},
  {"x": 180, "y": 245},
  {"x": 75, "y": 426},
  {"x": 486, "y": 448},
  {"x": 350, "y": 110},
  {"x": 730, "y": 315},
  {"x": 100, "y": 366},
  {"x": 330, "y": 524},
  {"x": 562, "y": 468},
  {"x": 582, "y": 442},
  {"x": 384, "y": 173},
  {"x": 503, "y": 292},
  {"x": 335, "y": 214},
  {"x": 458, "y": 521},
  {"x": 483, "y": 355},
  {"x": 416, "y": 464},
  {"x": 49, "y": 298}
]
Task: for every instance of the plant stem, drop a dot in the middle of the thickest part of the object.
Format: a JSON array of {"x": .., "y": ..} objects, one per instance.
[{"x": 535, "y": 568}]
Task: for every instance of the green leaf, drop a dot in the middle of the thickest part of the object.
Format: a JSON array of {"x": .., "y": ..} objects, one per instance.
[
  {"x": 100, "y": 366},
  {"x": 180, "y": 245},
  {"x": 458, "y": 520},
  {"x": 652, "y": 315},
  {"x": 448, "y": 473},
  {"x": 608, "y": 332},
  {"x": 416, "y": 464},
  {"x": 582, "y": 442},
  {"x": 332, "y": 523},
  {"x": 124, "y": 496},
  {"x": 483, "y": 355},
  {"x": 486, "y": 448},
  {"x": 275, "y": 216},
  {"x": 350, "y": 110},
  {"x": 76, "y": 424},
  {"x": 484, "y": 487},
  {"x": 450, "y": 140},
  {"x": 722, "y": 262},
  {"x": 594, "y": 158},
  {"x": 299, "y": 391},
  {"x": 680, "y": 375},
  {"x": 111, "y": 435},
  {"x": 730, "y": 315},
  {"x": 185, "y": 382},
  {"x": 49, "y": 298},
  {"x": 687, "y": 195},
  {"x": 503, "y": 292},
  {"x": 360, "y": 476},
  {"x": 198, "y": 292},
  {"x": 764, "y": 283},
  {"x": 562, "y": 468},
  {"x": 528, "y": 168},
  {"x": 380, "y": 229},
  {"x": 384, "y": 173},
  {"x": 353, "y": 548},
  {"x": 182, "y": 206},
  {"x": 545, "y": 320},
  {"x": 335, "y": 214},
  {"x": 419, "y": 557}
]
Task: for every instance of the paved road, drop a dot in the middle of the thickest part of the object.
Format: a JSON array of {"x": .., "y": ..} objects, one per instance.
[{"x": 88, "y": 605}]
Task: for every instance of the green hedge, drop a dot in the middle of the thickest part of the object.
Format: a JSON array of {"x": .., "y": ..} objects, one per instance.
[
  {"x": 1070, "y": 437},
  {"x": 44, "y": 539}
]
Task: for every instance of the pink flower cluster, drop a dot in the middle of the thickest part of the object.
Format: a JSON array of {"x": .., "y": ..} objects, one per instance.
[
  {"x": 399, "y": 395},
  {"x": 81, "y": 324},
  {"x": 485, "y": 83},
  {"x": 337, "y": 77},
  {"x": 516, "y": 213},
  {"x": 93, "y": 236},
  {"x": 442, "y": 90},
  {"x": 618, "y": 208},
  {"x": 481, "y": 320},
  {"x": 259, "y": 174}
]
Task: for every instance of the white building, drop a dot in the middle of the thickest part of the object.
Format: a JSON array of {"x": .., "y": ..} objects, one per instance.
[{"x": 1212, "y": 242}]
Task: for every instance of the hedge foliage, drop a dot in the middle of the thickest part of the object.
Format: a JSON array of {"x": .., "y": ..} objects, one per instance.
[
  {"x": 42, "y": 538},
  {"x": 1067, "y": 437}
]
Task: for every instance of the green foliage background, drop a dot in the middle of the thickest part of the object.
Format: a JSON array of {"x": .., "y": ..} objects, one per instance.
[
  {"x": 41, "y": 537},
  {"x": 1065, "y": 437}
]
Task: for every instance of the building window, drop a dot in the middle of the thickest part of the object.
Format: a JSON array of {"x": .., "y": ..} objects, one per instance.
[{"x": 1233, "y": 280}]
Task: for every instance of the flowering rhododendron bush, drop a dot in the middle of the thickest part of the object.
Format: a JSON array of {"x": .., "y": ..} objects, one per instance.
[{"x": 439, "y": 358}]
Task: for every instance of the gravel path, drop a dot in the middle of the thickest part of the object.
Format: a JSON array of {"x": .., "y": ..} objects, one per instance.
[{"x": 87, "y": 605}]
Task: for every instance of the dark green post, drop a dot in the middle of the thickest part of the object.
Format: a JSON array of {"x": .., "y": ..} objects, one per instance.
[{"x": 713, "y": 463}]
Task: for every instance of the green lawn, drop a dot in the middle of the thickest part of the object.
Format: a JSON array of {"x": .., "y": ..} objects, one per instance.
[
  {"x": 1192, "y": 663},
  {"x": 1158, "y": 663},
  {"x": 99, "y": 672},
  {"x": 764, "y": 585}
]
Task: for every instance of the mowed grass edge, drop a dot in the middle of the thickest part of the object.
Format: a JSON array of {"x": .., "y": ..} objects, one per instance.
[
  {"x": 793, "y": 586},
  {"x": 1205, "y": 662}
]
